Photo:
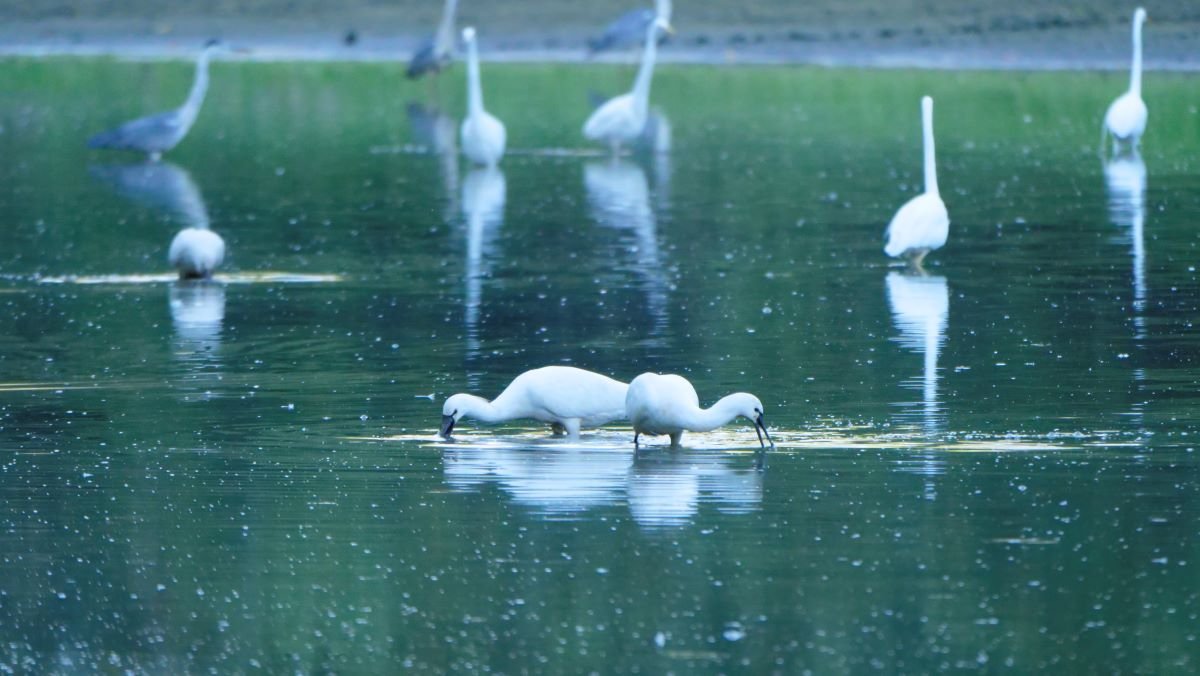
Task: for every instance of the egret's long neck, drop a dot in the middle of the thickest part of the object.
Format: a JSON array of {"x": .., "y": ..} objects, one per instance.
[
  {"x": 444, "y": 39},
  {"x": 708, "y": 419},
  {"x": 1135, "y": 70},
  {"x": 199, "y": 86},
  {"x": 641, "y": 86},
  {"x": 931, "y": 185},
  {"x": 474, "y": 89}
]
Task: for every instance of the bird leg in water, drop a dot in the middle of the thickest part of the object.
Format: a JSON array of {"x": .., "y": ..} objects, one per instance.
[
  {"x": 557, "y": 429},
  {"x": 635, "y": 440},
  {"x": 675, "y": 439}
]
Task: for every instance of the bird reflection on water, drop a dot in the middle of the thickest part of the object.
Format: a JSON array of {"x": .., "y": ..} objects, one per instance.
[
  {"x": 619, "y": 198},
  {"x": 1125, "y": 178},
  {"x": 920, "y": 307},
  {"x": 483, "y": 196}
]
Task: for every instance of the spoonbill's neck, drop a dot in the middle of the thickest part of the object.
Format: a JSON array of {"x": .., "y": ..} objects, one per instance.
[
  {"x": 474, "y": 89},
  {"x": 489, "y": 411},
  {"x": 641, "y": 86},
  {"x": 931, "y": 185},
  {"x": 708, "y": 419},
  {"x": 199, "y": 86},
  {"x": 1135, "y": 70}
]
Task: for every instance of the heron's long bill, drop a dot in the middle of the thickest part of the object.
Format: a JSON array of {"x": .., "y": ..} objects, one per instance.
[
  {"x": 447, "y": 426},
  {"x": 759, "y": 424}
]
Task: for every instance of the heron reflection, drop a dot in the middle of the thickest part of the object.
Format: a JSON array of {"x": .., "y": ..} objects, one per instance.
[
  {"x": 1125, "y": 177},
  {"x": 920, "y": 307},
  {"x": 620, "y": 199},
  {"x": 483, "y": 196},
  {"x": 663, "y": 490},
  {"x": 438, "y": 133}
]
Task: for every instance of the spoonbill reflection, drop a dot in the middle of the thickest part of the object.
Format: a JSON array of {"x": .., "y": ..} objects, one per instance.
[
  {"x": 922, "y": 224},
  {"x": 568, "y": 398},
  {"x": 1125, "y": 177},
  {"x": 483, "y": 198},
  {"x": 483, "y": 136},
  {"x": 437, "y": 52},
  {"x": 623, "y": 118},
  {"x": 1125, "y": 120},
  {"x": 630, "y": 28},
  {"x": 668, "y": 405},
  {"x": 920, "y": 309},
  {"x": 197, "y": 312},
  {"x": 620, "y": 199},
  {"x": 667, "y": 489},
  {"x": 156, "y": 134}
]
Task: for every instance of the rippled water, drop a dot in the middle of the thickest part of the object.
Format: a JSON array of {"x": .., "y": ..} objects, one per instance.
[{"x": 991, "y": 465}]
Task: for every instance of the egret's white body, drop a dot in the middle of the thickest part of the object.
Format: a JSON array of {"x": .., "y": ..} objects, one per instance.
[
  {"x": 483, "y": 136},
  {"x": 667, "y": 404},
  {"x": 1125, "y": 120},
  {"x": 568, "y": 398},
  {"x": 622, "y": 118},
  {"x": 196, "y": 252},
  {"x": 156, "y": 134},
  {"x": 922, "y": 224}
]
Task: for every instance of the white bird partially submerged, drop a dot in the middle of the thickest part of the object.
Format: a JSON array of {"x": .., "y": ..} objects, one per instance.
[
  {"x": 568, "y": 398},
  {"x": 922, "y": 224},
  {"x": 667, "y": 404},
  {"x": 622, "y": 118},
  {"x": 1125, "y": 120},
  {"x": 483, "y": 135},
  {"x": 196, "y": 253},
  {"x": 156, "y": 134}
]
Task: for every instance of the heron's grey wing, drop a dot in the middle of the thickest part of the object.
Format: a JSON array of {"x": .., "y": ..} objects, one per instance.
[
  {"x": 159, "y": 185},
  {"x": 423, "y": 61},
  {"x": 627, "y": 29},
  {"x": 145, "y": 133}
]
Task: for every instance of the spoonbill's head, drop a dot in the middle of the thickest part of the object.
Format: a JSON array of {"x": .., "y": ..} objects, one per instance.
[
  {"x": 454, "y": 408},
  {"x": 468, "y": 34},
  {"x": 748, "y": 406}
]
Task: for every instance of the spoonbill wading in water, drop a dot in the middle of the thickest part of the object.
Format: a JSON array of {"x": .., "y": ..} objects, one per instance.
[
  {"x": 922, "y": 224},
  {"x": 667, "y": 404},
  {"x": 568, "y": 398}
]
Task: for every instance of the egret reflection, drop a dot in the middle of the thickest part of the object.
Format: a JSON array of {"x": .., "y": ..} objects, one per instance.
[
  {"x": 661, "y": 490},
  {"x": 483, "y": 196},
  {"x": 1125, "y": 177},
  {"x": 619, "y": 198},
  {"x": 920, "y": 307}
]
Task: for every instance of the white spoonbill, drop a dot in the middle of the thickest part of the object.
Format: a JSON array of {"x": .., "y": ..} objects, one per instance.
[
  {"x": 1126, "y": 117},
  {"x": 196, "y": 252},
  {"x": 921, "y": 225},
  {"x": 622, "y": 118},
  {"x": 667, "y": 404},
  {"x": 568, "y": 398},
  {"x": 156, "y": 134},
  {"x": 483, "y": 135}
]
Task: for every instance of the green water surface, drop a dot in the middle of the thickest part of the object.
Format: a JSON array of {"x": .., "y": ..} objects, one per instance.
[{"x": 987, "y": 467}]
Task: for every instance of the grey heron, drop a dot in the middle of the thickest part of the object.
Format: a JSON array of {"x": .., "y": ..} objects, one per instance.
[
  {"x": 438, "y": 52},
  {"x": 629, "y": 28},
  {"x": 156, "y": 134}
]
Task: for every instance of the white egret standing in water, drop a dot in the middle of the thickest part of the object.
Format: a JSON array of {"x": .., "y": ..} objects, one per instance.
[
  {"x": 667, "y": 404},
  {"x": 922, "y": 224},
  {"x": 483, "y": 136},
  {"x": 622, "y": 118},
  {"x": 156, "y": 134},
  {"x": 1125, "y": 120},
  {"x": 437, "y": 52},
  {"x": 629, "y": 28},
  {"x": 568, "y": 398}
]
